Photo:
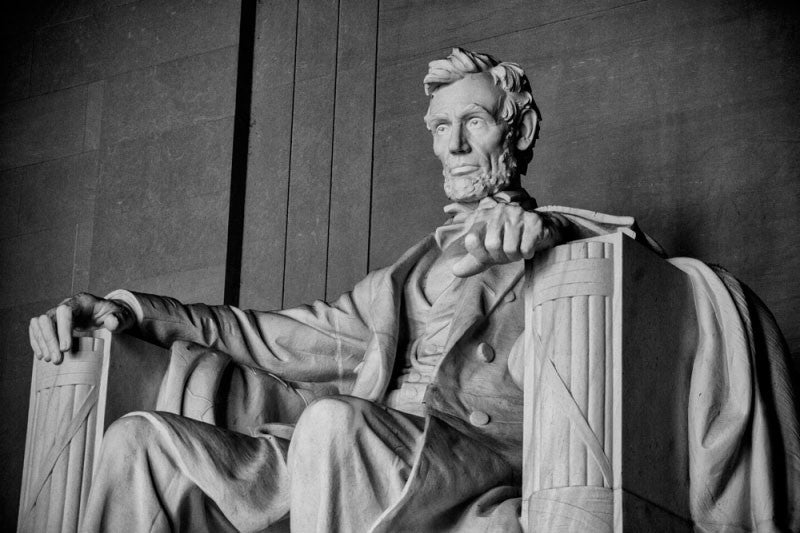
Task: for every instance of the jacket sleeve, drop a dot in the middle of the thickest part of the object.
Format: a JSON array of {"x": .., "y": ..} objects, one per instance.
[{"x": 309, "y": 343}]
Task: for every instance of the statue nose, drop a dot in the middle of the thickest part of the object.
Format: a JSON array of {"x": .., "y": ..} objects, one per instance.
[{"x": 458, "y": 142}]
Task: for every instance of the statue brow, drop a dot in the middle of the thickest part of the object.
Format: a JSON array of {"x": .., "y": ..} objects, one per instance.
[{"x": 468, "y": 110}]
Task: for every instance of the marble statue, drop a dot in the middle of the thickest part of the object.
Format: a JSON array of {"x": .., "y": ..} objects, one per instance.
[{"x": 417, "y": 420}]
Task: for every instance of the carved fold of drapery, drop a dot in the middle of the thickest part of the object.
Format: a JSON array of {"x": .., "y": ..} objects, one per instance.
[{"x": 62, "y": 438}]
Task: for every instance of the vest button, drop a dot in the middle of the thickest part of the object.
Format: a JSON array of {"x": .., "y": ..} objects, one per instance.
[
  {"x": 509, "y": 297},
  {"x": 478, "y": 418},
  {"x": 486, "y": 352}
]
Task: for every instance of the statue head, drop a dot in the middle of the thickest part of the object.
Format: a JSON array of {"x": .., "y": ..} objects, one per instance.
[{"x": 483, "y": 121}]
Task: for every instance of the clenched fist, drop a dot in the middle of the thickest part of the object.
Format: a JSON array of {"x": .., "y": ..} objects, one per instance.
[{"x": 501, "y": 233}]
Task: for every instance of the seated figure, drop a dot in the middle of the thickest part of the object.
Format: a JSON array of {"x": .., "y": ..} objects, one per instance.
[{"x": 419, "y": 425}]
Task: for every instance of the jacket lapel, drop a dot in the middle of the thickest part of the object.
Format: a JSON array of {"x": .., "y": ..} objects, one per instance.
[
  {"x": 375, "y": 370},
  {"x": 482, "y": 293}
]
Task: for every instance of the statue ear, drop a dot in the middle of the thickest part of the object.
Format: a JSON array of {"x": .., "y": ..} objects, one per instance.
[{"x": 527, "y": 129}]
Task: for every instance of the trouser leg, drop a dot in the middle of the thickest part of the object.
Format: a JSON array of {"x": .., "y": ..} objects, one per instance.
[
  {"x": 162, "y": 472},
  {"x": 349, "y": 460}
]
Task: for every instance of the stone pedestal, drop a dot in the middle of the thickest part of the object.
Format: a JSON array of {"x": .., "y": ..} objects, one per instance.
[{"x": 610, "y": 333}]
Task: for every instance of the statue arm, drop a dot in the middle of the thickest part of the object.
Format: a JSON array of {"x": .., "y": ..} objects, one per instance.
[{"x": 317, "y": 342}]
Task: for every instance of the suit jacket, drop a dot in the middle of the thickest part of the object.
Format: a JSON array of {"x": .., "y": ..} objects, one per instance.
[{"x": 468, "y": 469}]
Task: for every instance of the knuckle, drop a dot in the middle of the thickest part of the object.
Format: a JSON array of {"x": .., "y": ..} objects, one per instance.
[
  {"x": 527, "y": 248},
  {"x": 493, "y": 243},
  {"x": 471, "y": 241},
  {"x": 535, "y": 222}
]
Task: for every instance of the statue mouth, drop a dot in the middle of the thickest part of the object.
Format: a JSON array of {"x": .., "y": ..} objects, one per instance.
[{"x": 462, "y": 170}]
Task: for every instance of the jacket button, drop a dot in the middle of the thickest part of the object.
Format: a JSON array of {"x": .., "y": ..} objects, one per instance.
[
  {"x": 486, "y": 352},
  {"x": 478, "y": 418},
  {"x": 509, "y": 297},
  {"x": 431, "y": 349}
]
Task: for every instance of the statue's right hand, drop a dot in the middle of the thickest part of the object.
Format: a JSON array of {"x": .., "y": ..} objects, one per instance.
[{"x": 51, "y": 333}]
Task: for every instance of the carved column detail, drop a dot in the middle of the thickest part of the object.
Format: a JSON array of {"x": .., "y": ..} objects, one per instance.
[
  {"x": 569, "y": 347},
  {"x": 62, "y": 439}
]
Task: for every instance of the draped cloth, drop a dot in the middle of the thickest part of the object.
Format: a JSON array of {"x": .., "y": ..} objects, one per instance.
[{"x": 744, "y": 443}]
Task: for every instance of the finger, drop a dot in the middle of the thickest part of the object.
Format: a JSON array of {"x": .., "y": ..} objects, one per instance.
[
  {"x": 531, "y": 235},
  {"x": 64, "y": 327},
  {"x": 487, "y": 203},
  {"x": 474, "y": 243},
  {"x": 469, "y": 266},
  {"x": 493, "y": 240},
  {"x": 33, "y": 334},
  {"x": 110, "y": 322},
  {"x": 512, "y": 241},
  {"x": 49, "y": 338},
  {"x": 110, "y": 315}
]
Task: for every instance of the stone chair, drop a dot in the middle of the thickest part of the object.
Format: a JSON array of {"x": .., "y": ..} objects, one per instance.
[
  {"x": 104, "y": 377},
  {"x": 611, "y": 337}
]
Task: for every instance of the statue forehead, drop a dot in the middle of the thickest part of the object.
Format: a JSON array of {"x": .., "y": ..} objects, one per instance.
[{"x": 473, "y": 89}]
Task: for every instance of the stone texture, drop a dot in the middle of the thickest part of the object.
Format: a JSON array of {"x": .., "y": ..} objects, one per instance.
[
  {"x": 268, "y": 162},
  {"x": 165, "y": 169},
  {"x": 9, "y": 203},
  {"x": 351, "y": 164},
  {"x": 15, "y": 67},
  {"x": 28, "y": 132},
  {"x": 152, "y": 241},
  {"x": 190, "y": 286},
  {"x": 36, "y": 266},
  {"x": 94, "y": 115},
  {"x": 24, "y": 16},
  {"x": 56, "y": 193},
  {"x": 129, "y": 37},
  {"x": 171, "y": 95}
]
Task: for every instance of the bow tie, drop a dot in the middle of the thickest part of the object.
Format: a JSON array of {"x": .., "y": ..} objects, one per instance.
[{"x": 456, "y": 227}]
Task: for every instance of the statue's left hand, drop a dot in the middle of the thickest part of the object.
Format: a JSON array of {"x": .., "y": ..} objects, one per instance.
[
  {"x": 501, "y": 233},
  {"x": 51, "y": 333}
]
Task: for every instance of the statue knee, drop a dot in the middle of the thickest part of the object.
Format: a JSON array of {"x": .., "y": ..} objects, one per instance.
[
  {"x": 326, "y": 423},
  {"x": 127, "y": 434}
]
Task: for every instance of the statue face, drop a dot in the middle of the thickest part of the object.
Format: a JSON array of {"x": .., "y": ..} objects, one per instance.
[{"x": 469, "y": 137}]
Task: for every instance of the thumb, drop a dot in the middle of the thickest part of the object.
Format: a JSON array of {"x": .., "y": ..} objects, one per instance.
[
  {"x": 111, "y": 322},
  {"x": 113, "y": 316}
]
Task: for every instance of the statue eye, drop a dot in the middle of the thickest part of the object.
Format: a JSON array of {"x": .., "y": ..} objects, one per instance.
[
  {"x": 475, "y": 122},
  {"x": 441, "y": 129}
]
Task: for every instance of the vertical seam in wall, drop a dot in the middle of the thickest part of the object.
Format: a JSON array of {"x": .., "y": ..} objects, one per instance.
[
  {"x": 372, "y": 139},
  {"x": 333, "y": 147},
  {"x": 291, "y": 145},
  {"x": 74, "y": 260},
  {"x": 241, "y": 141}
]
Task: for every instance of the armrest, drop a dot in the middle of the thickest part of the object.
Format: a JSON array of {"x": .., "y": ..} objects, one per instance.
[
  {"x": 610, "y": 336},
  {"x": 69, "y": 410}
]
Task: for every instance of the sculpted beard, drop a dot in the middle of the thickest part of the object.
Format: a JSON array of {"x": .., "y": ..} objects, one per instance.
[{"x": 472, "y": 187}]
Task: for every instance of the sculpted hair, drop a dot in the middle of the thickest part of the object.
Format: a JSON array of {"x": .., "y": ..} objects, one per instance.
[{"x": 508, "y": 76}]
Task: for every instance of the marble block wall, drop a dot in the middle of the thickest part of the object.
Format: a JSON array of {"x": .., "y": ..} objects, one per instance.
[{"x": 116, "y": 125}]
